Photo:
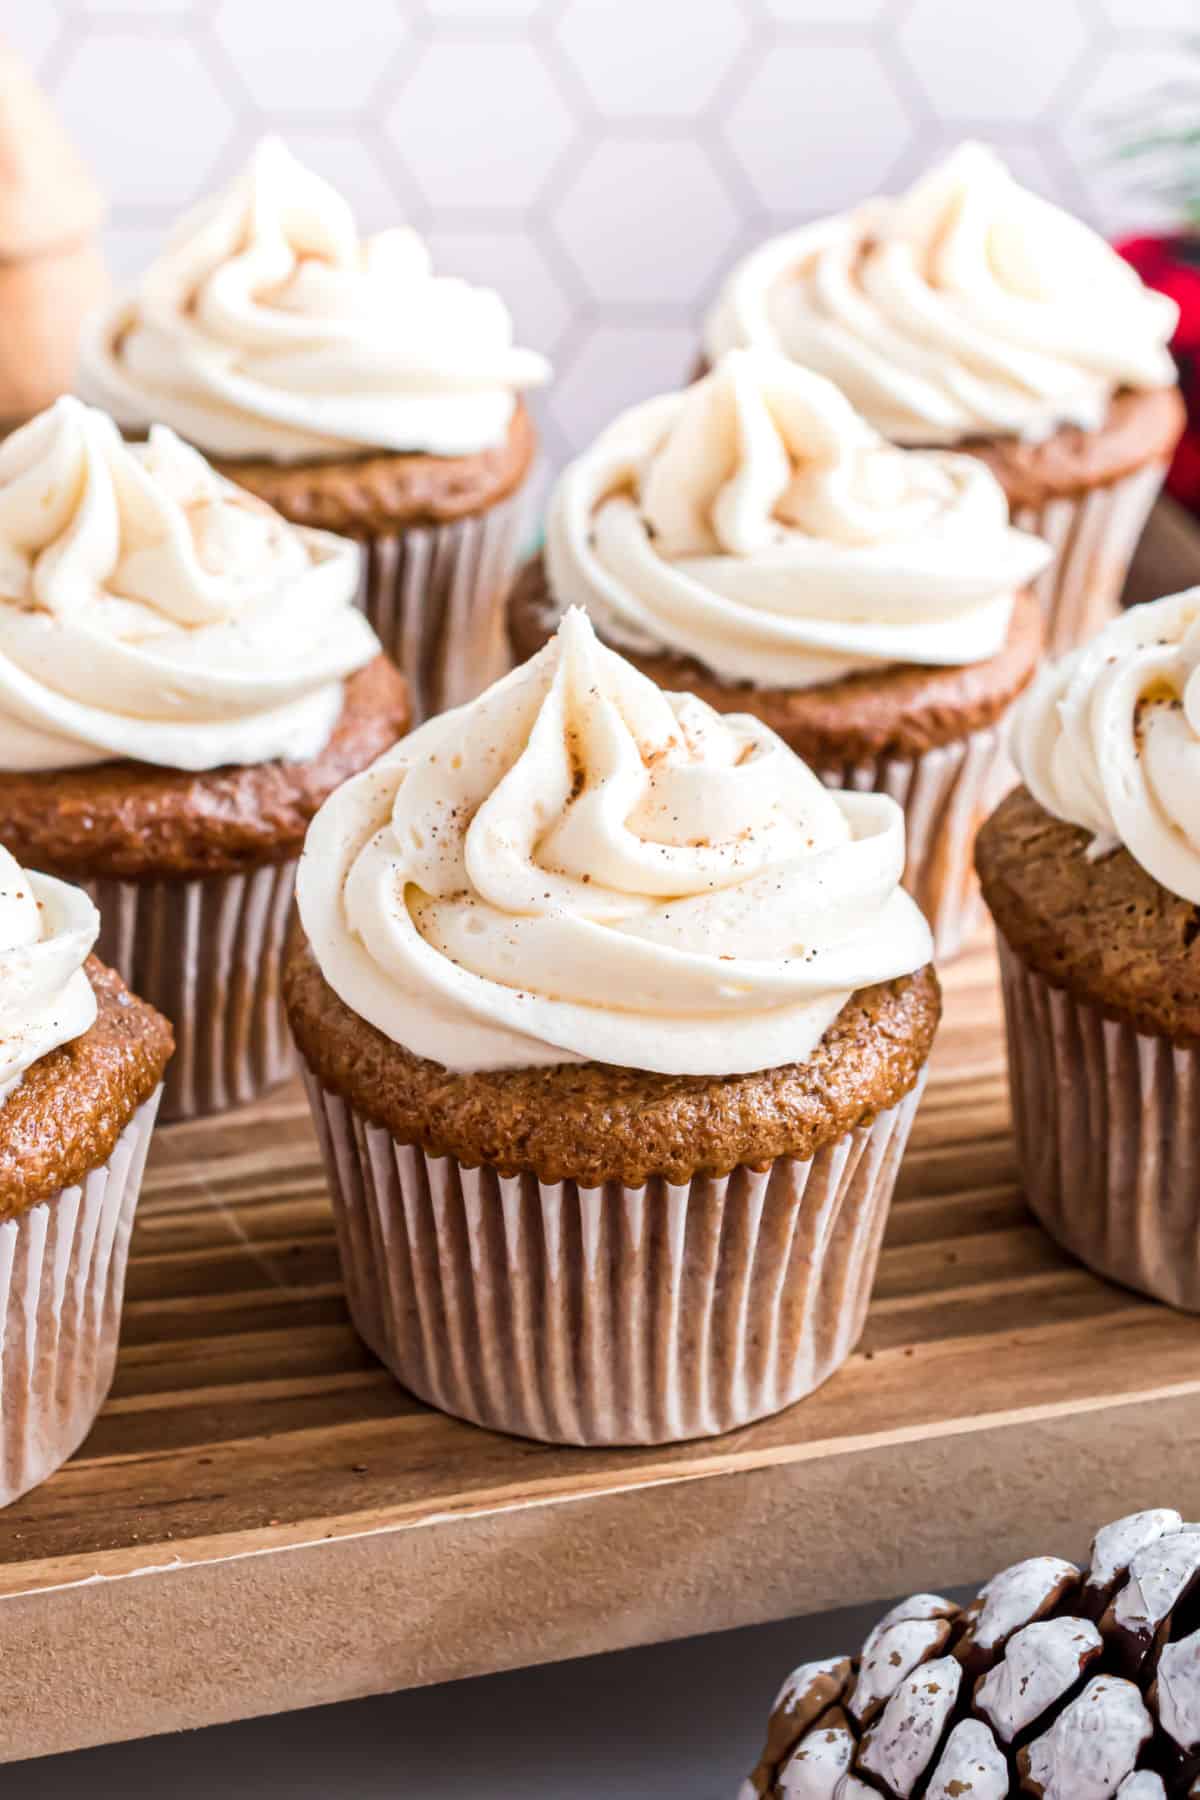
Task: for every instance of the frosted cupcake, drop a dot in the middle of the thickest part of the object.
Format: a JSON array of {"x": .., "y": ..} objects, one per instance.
[
  {"x": 971, "y": 312},
  {"x": 1092, "y": 873},
  {"x": 342, "y": 381},
  {"x": 184, "y": 678},
  {"x": 615, "y": 1022},
  {"x": 753, "y": 540},
  {"x": 81, "y": 1067}
]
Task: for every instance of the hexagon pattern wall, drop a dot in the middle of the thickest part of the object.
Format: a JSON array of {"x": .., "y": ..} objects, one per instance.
[{"x": 600, "y": 160}]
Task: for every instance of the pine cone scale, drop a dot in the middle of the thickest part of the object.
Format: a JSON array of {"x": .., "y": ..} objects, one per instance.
[{"x": 1055, "y": 1683}]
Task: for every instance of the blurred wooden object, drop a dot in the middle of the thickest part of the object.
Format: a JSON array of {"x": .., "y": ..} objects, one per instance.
[{"x": 51, "y": 270}]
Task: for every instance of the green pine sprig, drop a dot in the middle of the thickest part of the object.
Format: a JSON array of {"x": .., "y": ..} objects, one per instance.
[{"x": 1159, "y": 135}]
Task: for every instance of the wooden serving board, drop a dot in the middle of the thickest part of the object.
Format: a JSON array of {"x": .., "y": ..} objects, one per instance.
[{"x": 262, "y": 1520}]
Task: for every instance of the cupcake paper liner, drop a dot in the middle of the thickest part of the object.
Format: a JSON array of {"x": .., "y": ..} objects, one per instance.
[
  {"x": 608, "y": 1315},
  {"x": 1094, "y": 536},
  {"x": 62, "y": 1280},
  {"x": 209, "y": 954},
  {"x": 1108, "y": 1135},
  {"x": 435, "y": 598},
  {"x": 946, "y": 794}
]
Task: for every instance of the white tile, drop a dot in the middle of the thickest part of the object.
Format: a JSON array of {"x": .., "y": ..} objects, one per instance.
[
  {"x": 151, "y": 7},
  {"x": 818, "y": 126},
  {"x": 129, "y": 248},
  {"x": 1153, "y": 15},
  {"x": 1131, "y": 92},
  {"x": 147, "y": 112},
  {"x": 827, "y": 12},
  {"x": 511, "y": 262},
  {"x": 479, "y": 124},
  {"x": 998, "y": 62},
  {"x": 647, "y": 221},
  {"x": 484, "y": 10},
  {"x": 30, "y": 27},
  {"x": 330, "y": 66},
  {"x": 351, "y": 165},
  {"x": 615, "y": 366},
  {"x": 624, "y": 68}
]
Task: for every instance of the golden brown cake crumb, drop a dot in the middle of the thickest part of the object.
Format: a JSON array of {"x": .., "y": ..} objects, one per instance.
[
  {"x": 1141, "y": 427},
  {"x": 591, "y": 1122},
  {"x": 364, "y": 496},
  {"x": 901, "y": 710},
  {"x": 126, "y": 820},
  {"x": 1104, "y": 930},
  {"x": 65, "y": 1115}
]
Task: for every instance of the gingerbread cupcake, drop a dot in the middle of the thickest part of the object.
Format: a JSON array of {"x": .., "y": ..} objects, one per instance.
[
  {"x": 615, "y": 1021},
  {"x": 971, "y": 313},
  {"x": 184, "y": 678},
  {"x": 1092, "y": 873},
  {"x": 342, "y": 381},
  {"x": 81, "y": 1069},
  {"x": 754, "y": 541}
]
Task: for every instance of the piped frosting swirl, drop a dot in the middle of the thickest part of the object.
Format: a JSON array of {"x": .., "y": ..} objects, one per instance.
[
  {"x": 756, "y": 522},
  {"x": 967, "y": 307},
  {"x": 578, "y": 866}
]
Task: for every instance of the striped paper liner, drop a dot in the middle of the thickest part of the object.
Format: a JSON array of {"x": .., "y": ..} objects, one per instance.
[
  {"x": 62, "y": 1281},
  {"x": 209, "y": 953},
  {"x": 435, "y": 597},
  {"x": 946, "y": 794},
  {"x": 1108, "y": 1136},
  {"x": 1094, "y": 536},
  {"x": 608, "y": 1315}
]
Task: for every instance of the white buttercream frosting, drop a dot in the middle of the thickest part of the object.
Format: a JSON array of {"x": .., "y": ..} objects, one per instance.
[
  {"x": 1109, "y": 738},
  {"x": 268, "y": 327},
  {"x": 47, "y": 929},
  {"x": 578, "y": 866},
  {"x": 968, "y": 306},
  {"x": 152, "y": 610},
  {"x": 756, "y": 522}
]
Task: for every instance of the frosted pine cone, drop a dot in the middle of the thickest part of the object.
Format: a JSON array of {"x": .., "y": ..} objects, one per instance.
[{"x": 1057, "y": 1683}]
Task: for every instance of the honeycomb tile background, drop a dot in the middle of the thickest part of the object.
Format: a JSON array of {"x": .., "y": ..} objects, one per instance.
[{"x": 601, "y": 161}]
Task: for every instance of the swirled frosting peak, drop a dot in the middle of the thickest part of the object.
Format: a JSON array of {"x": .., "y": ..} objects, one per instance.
[
  {"x": 47, "y": 929},
  {"x": 968, "y": 306},
  {"x": 757, "y": 522},
  {"x": 152, "y": 610},
  {"x": 269, "y": 328},
  {"x": 578, "y": 866},
  {"x": 1109, "y": 738}
]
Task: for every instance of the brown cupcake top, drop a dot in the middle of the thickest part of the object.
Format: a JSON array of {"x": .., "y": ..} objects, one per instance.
[
  {"x": 591, "y": 1122},
  {"x": 135, "y": 821},
  {"x": 64, "y": 1118},
  {"x": 1105, "y": 931},
  {"x": 904, "y": 710},
  {"x": 364, "y": 496},
  {"x": 1142, "y": 426}
]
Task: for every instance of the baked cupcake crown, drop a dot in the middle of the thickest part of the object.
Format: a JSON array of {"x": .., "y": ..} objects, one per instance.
[
  {"x": 966, "y": 307},
  {"x": 267, "y": 328},
  {"x": 1108, "y": 738},
  {"x": 153, "y": 611},
  {"x": 756, "y": 522},
  {"x": 578, "y": 866}
]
